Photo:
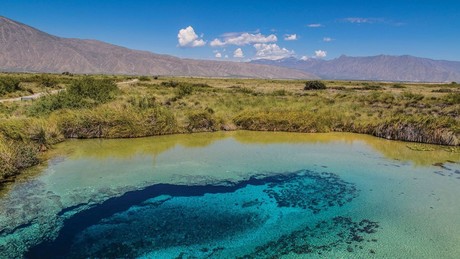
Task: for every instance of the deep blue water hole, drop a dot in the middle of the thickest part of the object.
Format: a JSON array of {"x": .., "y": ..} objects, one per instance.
[{"x": 166, "y": 216}]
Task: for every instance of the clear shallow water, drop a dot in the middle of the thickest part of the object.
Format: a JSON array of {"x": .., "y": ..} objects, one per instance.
[{"x": 237, "y": 194}]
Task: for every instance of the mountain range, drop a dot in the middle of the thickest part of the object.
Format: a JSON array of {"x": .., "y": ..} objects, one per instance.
[
  {"x": 26, "y": 49},
  {"x": 382, "y": 68}
]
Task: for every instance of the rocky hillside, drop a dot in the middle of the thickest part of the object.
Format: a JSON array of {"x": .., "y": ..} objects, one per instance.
[
  {"x": 23, "y": 48},
  {"x": 382, "y": 67}
]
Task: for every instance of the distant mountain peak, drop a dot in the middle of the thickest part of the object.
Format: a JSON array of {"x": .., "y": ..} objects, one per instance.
[
  {"x": 379, "y": 67},
  {"x": 26, "y": 49}
]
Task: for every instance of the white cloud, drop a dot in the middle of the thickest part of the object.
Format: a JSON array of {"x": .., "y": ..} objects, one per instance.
[
  {"x": 238, "y": 53},
  {"x": 242, "y": 39},
  {"x": 218, "y": 55},
  {"x": 226, "y": 56},
  {"x": 217, "y": 43},
  {"x": 320, "y": 53},
  {"x": 188, "y": 38},
  {"x": 315, "y": 25},
  {"x": 327, "y": 39},
  {"x": 304, "y": 58},
  {"x": 290, "y": 37},
  {"x": 362, "y": 20},
  {"x": 271, "y": 51},
  {"x": 357, "y": 20}
]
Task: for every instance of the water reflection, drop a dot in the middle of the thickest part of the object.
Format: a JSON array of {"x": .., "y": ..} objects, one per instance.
[{"x": 424, "y": 155}]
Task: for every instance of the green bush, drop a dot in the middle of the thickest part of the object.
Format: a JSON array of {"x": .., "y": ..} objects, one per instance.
[
  {"x": 84, "y": 93},
  {"x": 99, "y": 90},
  {"x": 452, "y": 98},
  {"x": 371, "y": 87},
  {"x": 412, "y": 97},
  {"x": 314, "y": 85},
  {"x": 9, "y": 85},
  {"x": 170, "y": 84},
  {"x": 144, "y": 78},
  {"x": 398, "y": 86},
  {"x": 184, "y": 89},
  {"x": 47, "y": 81},
  {"x": 201, "y": 121}
]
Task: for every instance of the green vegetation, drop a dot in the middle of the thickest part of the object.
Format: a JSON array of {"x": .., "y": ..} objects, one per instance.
[
  {"x": 47, "y": 81},
  {"x": 103, "y": 106},
  {"x": 314, "y": 85},
  {"x": 144, "y": 78},
  {"x": 84, "y": 93},
  {"x": 9, "y": 85}
]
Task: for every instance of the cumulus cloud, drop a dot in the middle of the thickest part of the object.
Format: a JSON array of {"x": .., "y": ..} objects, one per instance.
[
  {"x": 188, "y": 38},
  {"x": 315, "y": 25},
  {"x": 218, "y": 55},
  {"x": 290, "y": 37},
  {"x": 242, "y": 39},
  {"x": 304, "y": 58},
  {"x": 271, "y": 51},
  {"x": 327, "y": 39},
  {"x": 320, "y": 53},
  {"x": 217, "y": 43},
  {"x": 238, "y": 53}
]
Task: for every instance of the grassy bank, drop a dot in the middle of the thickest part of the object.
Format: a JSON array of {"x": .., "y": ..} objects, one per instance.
[{"x": 96, "y": 107}]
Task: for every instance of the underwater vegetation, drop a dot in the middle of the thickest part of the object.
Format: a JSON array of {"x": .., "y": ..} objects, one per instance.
[{"x": 212, "y": 220}]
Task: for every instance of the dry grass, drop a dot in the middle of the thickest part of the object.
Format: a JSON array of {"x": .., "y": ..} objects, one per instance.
[{"x": 414, "y": 112}]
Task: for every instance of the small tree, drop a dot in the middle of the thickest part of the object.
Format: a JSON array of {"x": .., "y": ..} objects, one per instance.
[
  {"x": 9, "y": 85},
  {"x": 101, "y": 91},
  {"x": 314, "y": 85},
  {"x": 47, "y": 81}
]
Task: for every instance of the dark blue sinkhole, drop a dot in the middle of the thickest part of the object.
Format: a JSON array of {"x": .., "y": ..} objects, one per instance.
[{"x": 133, "y": 224}]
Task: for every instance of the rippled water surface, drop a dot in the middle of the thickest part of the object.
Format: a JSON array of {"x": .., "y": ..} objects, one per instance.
[{"x": 236, "y": 195}]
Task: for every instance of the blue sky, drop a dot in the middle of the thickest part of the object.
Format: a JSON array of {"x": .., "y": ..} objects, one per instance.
[{"x": 245, "y": 30}]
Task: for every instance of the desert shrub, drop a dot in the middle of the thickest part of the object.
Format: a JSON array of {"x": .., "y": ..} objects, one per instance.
[
  {"x": 9, "y": 85},
  {"x": 184, "y": 89},
  {"x": 338, "y": 88},
  {"x": 47, "y": 81},
  {"x": 398, "y": 86},
  {"x": 442, "y": 90},
  {"x": 83, "y": 93},
  {"x": 170, "y": 84},
  {"x": 452, "y": 98},
  {"x": 199, "y": 121},
  {"x": 99, "y": 90},
  {"x": 412, "y": 97},
  {"x": 144, "y": 78},
  {"x": 314, "y": 85},
  {"x": 244, "y": 90},
  {"x": 371, "y": 87}
]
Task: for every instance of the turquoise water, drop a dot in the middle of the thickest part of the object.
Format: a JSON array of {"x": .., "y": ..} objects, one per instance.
[{"x": 236, "y": 195}]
